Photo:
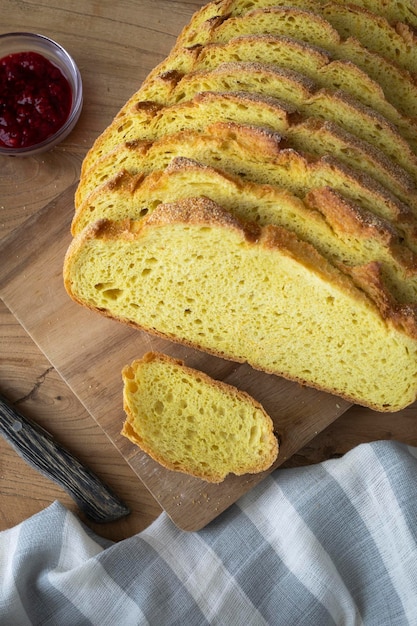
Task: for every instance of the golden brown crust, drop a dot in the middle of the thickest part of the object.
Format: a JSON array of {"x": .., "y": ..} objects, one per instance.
[
  {"x": 346, "y": 217},
  {"x": 202, "y": 211},
  {"x": 403, "y": 316}
]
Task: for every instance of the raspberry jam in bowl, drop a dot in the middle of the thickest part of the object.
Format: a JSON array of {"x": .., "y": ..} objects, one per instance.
[{"x": 40, "y": 94}]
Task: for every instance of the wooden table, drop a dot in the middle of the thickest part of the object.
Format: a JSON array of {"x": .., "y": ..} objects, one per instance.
[{"x": 115, "y": 46}]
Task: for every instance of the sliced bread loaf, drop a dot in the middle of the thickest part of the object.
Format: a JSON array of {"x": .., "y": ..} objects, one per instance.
[
  {"x": 296, "y": 91},
  {"x": 338, "y": 229},
  {"x": 323, "y": 24},
  {"x": 230, "y": 148},
  {"x": 312, "y": 136},
  {"x": 293, "y": 314},
  {"x": 314, "y": 147},
  {"x": 190, "y": 423}
]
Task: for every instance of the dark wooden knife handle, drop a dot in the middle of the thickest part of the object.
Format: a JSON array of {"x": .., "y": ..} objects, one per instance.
[{"x": 38, "y": 448}]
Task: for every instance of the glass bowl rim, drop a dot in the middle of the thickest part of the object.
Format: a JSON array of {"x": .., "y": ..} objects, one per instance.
[{"x": 62, "y": 59}]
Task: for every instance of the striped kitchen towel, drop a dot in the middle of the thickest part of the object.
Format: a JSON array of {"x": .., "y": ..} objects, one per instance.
[{"x": 330, "y": 544}]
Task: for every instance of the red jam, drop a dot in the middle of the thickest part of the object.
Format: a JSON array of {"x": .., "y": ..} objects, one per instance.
[{"x": 35, "y": 99}]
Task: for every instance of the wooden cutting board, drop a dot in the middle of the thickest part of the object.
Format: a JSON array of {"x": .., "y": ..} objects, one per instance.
[{"x": 89, "y": 352}]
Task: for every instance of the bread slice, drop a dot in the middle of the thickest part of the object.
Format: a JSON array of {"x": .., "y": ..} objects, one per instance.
[
  {"x": 312, "y": 136},
  {"x": 230, "y": 148},
  {"x": 338, "y": 229},
  {"x": 398, "y": 83},
  {"x": 296, "y": 91},
  {"x": 293, "y": 314},
  {"x": 315, "y": 63},
  {"x": 191, "y": 423},
  {"x": 323, "y": 24}
]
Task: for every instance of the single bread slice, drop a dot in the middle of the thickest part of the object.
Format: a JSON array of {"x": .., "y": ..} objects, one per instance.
[
  {"x": 338, "y": 229},
  {"x": 191, "y": 423},
  {"x": 183, "y": 274}
]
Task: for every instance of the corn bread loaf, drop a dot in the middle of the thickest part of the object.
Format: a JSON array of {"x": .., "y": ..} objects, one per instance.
[
  {"x": 256, "y": 197},
  {"x": 292, "y": 314},
  {"x": 338, "y": 229},
  {"x": 190, "y": 423}
]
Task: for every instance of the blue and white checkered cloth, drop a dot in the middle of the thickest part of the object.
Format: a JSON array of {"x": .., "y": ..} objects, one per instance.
[{"x": 330, "y": 544}]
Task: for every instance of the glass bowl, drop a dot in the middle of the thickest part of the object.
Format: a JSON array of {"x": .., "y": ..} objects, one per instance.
[{"x": 11, "y": 43}]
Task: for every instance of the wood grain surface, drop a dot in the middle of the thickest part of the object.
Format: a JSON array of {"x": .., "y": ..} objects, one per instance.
[
  {"x": 115, "y": 45},
  {"x": 89, "y": 351}
]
